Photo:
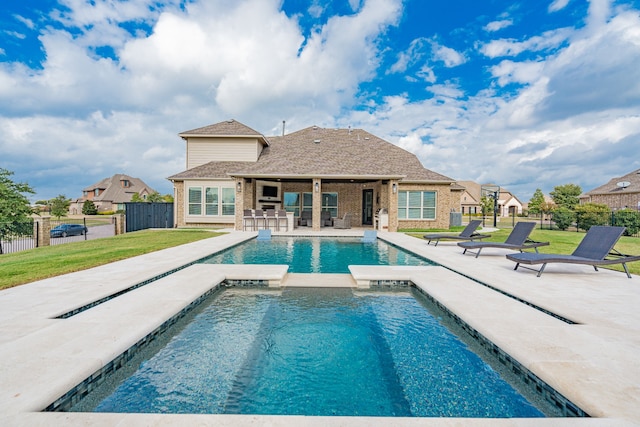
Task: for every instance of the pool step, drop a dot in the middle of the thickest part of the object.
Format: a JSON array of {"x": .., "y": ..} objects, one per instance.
[{"x": 319, "y": 280}]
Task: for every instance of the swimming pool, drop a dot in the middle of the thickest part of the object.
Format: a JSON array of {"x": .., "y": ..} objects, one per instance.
[
  {"x": 316, "y": 254},
  {"x": 317, "y": 352}
]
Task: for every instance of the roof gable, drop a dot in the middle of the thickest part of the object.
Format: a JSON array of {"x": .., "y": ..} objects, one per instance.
[
  {"x": 633, "y": 178},
  {"x": 229, "y": 128},
  {"x": 325, "y": 153}
]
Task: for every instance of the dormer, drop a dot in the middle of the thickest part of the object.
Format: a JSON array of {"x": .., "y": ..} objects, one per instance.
[{"x": 228, "y": 141}]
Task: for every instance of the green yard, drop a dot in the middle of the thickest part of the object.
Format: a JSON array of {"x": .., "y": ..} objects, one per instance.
[{"x": 35, "y": 264}]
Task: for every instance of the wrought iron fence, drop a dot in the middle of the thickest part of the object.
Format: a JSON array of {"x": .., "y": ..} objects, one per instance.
[{"x": 18, "y": 236}]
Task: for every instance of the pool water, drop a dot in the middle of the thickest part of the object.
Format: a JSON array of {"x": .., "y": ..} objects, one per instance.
[
  {"x": 316, "y": 254},
  {"x": 317, "y": 352}
]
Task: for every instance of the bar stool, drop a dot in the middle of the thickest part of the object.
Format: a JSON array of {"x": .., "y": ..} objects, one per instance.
[
  {"x": 271, "y": 217},
  {"x": 248, "y": 219},
  {"x": 282, "y": 216},
  {"x": 259, "y": 218}
]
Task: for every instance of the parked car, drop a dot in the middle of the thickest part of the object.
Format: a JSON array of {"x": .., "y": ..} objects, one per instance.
[{"x": 64, "y": 230}]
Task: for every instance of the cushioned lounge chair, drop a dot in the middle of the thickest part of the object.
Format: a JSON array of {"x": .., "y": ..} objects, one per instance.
[
  {"x": 593, "y": 250},
  {"x": 344, "y": 222},
  {"x": 325, "y": 219},
  {"x": 518, "y": 240},
  {"x": 469, "y": 233},
  {"x": 305, "y": 218}
]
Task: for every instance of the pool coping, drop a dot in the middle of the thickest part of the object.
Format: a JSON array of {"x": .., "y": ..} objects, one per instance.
[{"x": 42, "y": 351}]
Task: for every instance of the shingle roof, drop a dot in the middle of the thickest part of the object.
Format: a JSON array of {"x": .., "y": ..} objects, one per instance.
[
  {"x": 324, "y": 153},
  {"x": 226, "y": 128},
  {"x": 633, "y": 178},
  {"x": 113, "y": 190}
]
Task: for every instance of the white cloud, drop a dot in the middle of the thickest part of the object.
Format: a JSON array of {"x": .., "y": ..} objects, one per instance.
[
  {"x": 511, "y": 47},
  {"x": 450, "y": 57},
  {"x": 498, "y": 25},
  {"x": 557, "y": 5}
]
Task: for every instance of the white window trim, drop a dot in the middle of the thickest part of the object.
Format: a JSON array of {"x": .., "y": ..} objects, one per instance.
[
  {"x": 219, "y": 218},
  {"x": 422, "y": 207}
]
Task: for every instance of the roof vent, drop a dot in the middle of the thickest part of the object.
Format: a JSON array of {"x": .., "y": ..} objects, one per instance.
[
  {"x": 317, "y": 141},
  {"x": 315, "y": 127},
  {"x": 230, "y": 121}
]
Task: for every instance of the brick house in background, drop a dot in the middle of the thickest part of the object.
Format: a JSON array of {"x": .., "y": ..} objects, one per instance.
[
  {"x": 508, "y": 203},
  {"x": 231, "y": 167},
  {"x": 110, "y": 194},
  {"x": 619, "y": 193}
]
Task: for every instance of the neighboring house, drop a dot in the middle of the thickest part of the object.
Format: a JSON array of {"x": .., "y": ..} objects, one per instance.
[
  {"x": 231, "y": 167},
  {"x": 470, "y": 198},
  {"x": 111, "y": 194},
  {"x": 508, "y": 204},
  {"x": 619, "y": 193}
]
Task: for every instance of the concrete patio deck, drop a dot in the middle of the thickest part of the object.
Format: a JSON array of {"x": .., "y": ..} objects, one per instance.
[{"x": 592, "y": 362}]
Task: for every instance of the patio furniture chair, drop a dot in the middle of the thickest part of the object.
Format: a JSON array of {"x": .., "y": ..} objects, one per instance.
[
  {"x": 264, "y": 235},
  {"x": 344, "y": 222},
  {"x": 259, "y": 218},
  {"x": 518, "y": 239},
  {"x": 469, "y": 233},
  {"x": 248, "y": 220},
  {"x": 271, "y": 218},
  {"x": 593, "y": 250},
  {"x": 325, "y": 219},
  {"x": 370, "y": 236},
  {"x": 305, "y": 218},
  {"x": 282, "y": 216}
]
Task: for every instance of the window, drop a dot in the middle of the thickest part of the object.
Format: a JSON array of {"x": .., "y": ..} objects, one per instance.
[
  {"x": 217, "y": 201},
  {"x": 195, "y": 201},
  {"x": 228, "y": 201},
  {"x": 307, "y": 201},
  {"x": 211, "y": 201},
  {"x": 330, "y": 203},
  {"x": 416, "y": 205},
  {"x": 292, "y": 203}
]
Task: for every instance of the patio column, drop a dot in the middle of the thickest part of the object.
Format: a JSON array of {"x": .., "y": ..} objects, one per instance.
[
  {"x": 393, "y": 189},
  {"x": 240, "y": 196},
  {"x": 317, "y": 203}
]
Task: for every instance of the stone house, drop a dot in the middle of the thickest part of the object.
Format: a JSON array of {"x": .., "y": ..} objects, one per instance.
[
  {"x": 110, "y": 194},
  {"x": 619, "y": 193},
  {"x": 231, "y": 167}
]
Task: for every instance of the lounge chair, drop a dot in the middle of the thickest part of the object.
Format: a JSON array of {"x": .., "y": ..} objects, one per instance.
[
  {"x": 370, "y": 236},
  {"x": 325, "y": 219},
  {"x": 593, "y": 250},
  {"x": 305, "y": 218},
  {"x": 469, "y": 233},
  {"x": 518, "y": 239},
  {"x": 344, "y": 222}
]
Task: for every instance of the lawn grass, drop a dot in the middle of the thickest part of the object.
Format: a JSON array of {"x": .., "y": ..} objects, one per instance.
[
  {"x": 562, "y": 242},
  {"x": 49, "y": 261}
]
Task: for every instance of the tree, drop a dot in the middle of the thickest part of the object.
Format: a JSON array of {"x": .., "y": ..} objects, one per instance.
[
  {"x": 566, "y": 195},
  {"x": 563, "y": 217},
  {"x": 591, "y": 214},
  {"x": 137, "y": 199},
  {"x": 630, "y": 219},
  {"x": 60, "y": 206},
  {"x": 486, "y": 205},
  {"x": 15, "y": 209},
  {"x": 89, "y": 208},
  {"x": 155, "y": 197},
  {"x": 536, "y": 202}
]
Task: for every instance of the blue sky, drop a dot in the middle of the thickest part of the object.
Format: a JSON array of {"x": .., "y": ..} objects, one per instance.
[{"x": 522, "y": 94}]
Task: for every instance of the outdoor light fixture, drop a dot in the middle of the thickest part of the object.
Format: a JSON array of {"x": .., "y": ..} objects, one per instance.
[
  {"x": 394, "y": 188},
  {"x": 239, "y": 186},
  {"x": 317, "y": 187}
]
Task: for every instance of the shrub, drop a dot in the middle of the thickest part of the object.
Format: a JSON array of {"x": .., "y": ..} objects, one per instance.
[
  {"x": 591, "y": 214},
  {"x": 563, "y": 217},
  {"x": 628, "y": 218},
  {"x": 89, "y": 208}
]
